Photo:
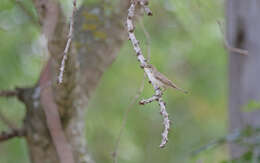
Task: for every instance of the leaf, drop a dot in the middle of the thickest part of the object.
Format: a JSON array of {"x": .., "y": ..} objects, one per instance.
[{"x": 251, "y": 106}]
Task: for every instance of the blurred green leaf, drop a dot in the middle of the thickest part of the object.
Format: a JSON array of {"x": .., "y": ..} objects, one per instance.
[{"x": 251, "y": 106}]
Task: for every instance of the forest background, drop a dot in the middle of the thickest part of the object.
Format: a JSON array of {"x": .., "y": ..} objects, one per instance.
[{"x": 186, "y": 43}]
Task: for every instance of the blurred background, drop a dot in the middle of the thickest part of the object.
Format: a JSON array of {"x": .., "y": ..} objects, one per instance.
[{"x": 186, "y": 45}]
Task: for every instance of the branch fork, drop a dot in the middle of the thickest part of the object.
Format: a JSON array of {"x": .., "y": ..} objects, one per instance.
[{"x": 155, "y": 97}]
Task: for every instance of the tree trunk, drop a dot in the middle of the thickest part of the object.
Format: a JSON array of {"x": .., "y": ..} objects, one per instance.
[
  {"x": 92, "y": 51},
  {"x": 243, "y": 32}
]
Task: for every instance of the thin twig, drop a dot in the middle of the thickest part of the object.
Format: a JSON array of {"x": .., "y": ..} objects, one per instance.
[
  {"x": 8, "y": 93},
  {"x": 66, "y": 50},
  {"x": 133, "y": 101},
  {"x": 147, "y": 70},
  {"x": 147, "y": 39},
  {"x": 239, "y": 135},
  {"x": 149, "y": 100},
  {"x": 234, "y": 136},
  {"x": 11, "y": 134},
  {"x": 228, "y": 46}
]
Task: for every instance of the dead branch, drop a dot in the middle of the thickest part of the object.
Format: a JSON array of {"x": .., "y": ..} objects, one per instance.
[
  {"x": 147, "y": 70},
  {"x": 66, "y": 50},
  {"x": 12, "y": 134}
]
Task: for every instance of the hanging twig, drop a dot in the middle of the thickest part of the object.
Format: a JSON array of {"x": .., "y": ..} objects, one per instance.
[
  {"x": 66, "y": 50},
  {"x": 147, "y": 69}
]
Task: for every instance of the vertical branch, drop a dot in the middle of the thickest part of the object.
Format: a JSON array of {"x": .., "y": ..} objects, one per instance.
[
  {"x": 66, "y": 50},
  {"x": 53, "y": 119}
]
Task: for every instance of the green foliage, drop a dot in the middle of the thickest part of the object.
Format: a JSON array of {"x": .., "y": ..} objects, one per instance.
[
  {"x": 252, "y": 105},
  {"x": 248, "y": 157}
]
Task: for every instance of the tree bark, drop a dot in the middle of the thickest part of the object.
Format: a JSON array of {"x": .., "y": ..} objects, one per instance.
[
  {"x": 97, "y": 39},
  {"x": 243, "y": 32}
]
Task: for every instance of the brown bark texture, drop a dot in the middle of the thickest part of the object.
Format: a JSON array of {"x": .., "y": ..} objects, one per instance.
[
  {"x": 54, "y": 122},
  {"x": 243, "y": 32}
]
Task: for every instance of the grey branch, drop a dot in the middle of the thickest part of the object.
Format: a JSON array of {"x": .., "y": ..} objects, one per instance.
[
  {"x": 66, "y": 50},
  {"x": 147, "y": 70}
]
